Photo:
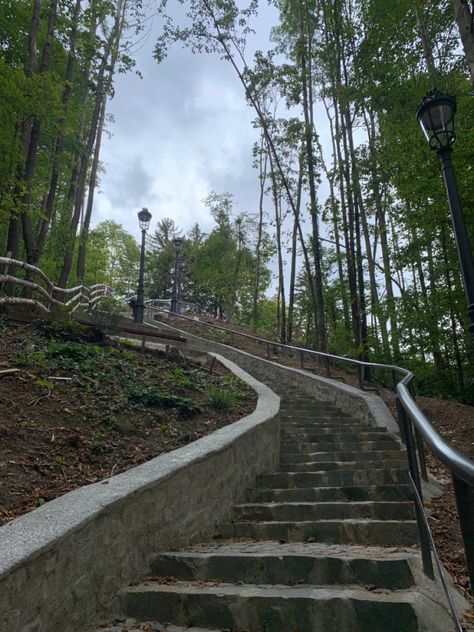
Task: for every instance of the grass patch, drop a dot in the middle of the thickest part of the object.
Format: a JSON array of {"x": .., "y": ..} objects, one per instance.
[{"x": 221, "y": 398}]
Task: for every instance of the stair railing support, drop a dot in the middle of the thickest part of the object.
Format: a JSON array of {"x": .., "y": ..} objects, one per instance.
[
  {"x": 328, "y": 366},
  {"x": 406, "y": 428},
  {"x": 421, "y": 455},
  {"x": 419, "y": 441},
  {"x": 464, "y": 494}
]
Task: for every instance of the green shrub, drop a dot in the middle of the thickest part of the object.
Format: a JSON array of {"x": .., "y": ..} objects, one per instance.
[
  {"x": 107, "y": 313},
  {"x": 63, "y": 330},
  {"x": 150, "y": 396},
  {"x": 179, "y": 378},
  {"x": 30, "y": 358},
  {"x": 220, "y": 398}
]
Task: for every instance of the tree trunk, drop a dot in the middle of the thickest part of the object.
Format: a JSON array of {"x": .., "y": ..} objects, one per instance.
[
  {"x": 262, "y": 178},
  {"x": 427, "y": 47},
  {"x": 44, "y": 223},
  {"x": 281, "y": 278},
  {"x": 13, "y": 239},
  {"x": 316, "y": 245},
  {"x": 335, "y": 219},
  {"x": 463, "y": 14},
  {"x": 30, "y": 164},
  {"x": 294, "y": 241},
  {"x": 81, "y": 256},
  {"x": 86, "y": 154},
  {"x": 454, "y": 325},
  {"x": 359, "y": 209}
]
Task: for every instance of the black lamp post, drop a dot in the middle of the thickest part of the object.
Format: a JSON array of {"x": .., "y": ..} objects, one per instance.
[
  {"x": 174, "y": 299},
  {"x": 435, "y": 115},
  {"x": 144, "y": 218}
]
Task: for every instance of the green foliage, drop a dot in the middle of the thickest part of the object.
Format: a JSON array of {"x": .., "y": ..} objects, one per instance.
[
  {"x": 63, "y": 330},
  {"x": 75, "y": 356},
  {"x": 220, "y": 398},
  {"x": 48, "y": 384},
  {"x": 179, "y": 378},
  {"x": 30, "y": 357},
  {"x": 56, "y": 92},
  {"x": 113, "y": 258},
  {"x": 151, "y": 396},
  {"x": 107, "y": 314}
]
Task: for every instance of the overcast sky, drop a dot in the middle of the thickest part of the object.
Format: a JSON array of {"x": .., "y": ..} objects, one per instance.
[{"x": 179, "y": 133}]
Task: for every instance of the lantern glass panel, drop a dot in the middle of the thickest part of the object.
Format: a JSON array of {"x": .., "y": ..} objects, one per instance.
[
  {"x": 436, "y": 118},
  {"x": 144, "y": 218}
]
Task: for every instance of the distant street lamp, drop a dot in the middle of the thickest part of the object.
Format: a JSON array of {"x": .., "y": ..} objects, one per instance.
[
  {"x": 174, "y": 299},
  {"x": 180, "y": 281},
  {"x": 144, "y": 218},
  {"x": 435, "y": 115}
]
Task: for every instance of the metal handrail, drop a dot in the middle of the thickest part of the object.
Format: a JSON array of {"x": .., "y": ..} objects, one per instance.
[
  {"x": 458, "y": 464},
  {"x": 414, "y": 429},
  {"x": 454, "y": 460}
]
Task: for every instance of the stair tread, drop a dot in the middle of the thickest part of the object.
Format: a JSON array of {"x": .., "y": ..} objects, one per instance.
[
  {"x": 346, "y": 521},
  {"x": 268, "y": 548},
  {"x": 328, "y": 503},
  {"x": 303, "y": 591},
  {"x": 132, "y": 625}
]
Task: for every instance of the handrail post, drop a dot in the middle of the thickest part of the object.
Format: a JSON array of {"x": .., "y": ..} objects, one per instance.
[
  {"x": 465, "y": 503},
  {"x": 394, "y": 380},
  {"x": 421, "y": 454},
  {"x": 302, "y": 358},
  {"x": 328, "y": 366},
  {"x": 360, "y": 376},
  {"x": 268, "y": 351},
  {"x": 406, "y": 423},
  {"x": 419, "y": 441}
]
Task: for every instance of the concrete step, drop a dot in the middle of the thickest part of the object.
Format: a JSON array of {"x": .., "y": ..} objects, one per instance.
[
  {"x": 301, "y": 511},
  {"x": 324, "y": 446},
  {"x": 294, "y": 415},
  {"x": 318, "y": 434},
  {"x": 308, "y": 404},
  {"x": 132, "y": 625},
  {"x": 328, "y": 466},
  {"x": 387, "y": 493},
  {"x": 282, "y": 480},
  {"x": 271, "y": 608},
  {"x": 308, "y": 407},
  {"x": 296, "y": 563},
  {"x": 326, "y": 457},
  {"x": 350, "y": 531},
  {"x": 330, "y": 424},
  {"x": 330, "y": 428}
]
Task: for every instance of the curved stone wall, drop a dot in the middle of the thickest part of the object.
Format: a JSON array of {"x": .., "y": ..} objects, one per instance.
[{"x": 62, "y": 564}]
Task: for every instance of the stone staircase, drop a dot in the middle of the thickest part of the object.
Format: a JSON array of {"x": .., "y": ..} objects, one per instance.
[{"x": 320, "y": 545}]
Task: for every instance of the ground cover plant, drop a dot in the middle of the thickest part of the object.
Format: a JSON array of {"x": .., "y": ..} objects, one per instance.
[{"x": 78, "y": 409}]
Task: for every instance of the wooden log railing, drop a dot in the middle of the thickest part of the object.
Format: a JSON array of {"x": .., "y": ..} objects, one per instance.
[{"x": 40, "y": 292}]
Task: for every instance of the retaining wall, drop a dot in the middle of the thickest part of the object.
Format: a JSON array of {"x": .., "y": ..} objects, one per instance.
[{"x": 62, "y": 564}]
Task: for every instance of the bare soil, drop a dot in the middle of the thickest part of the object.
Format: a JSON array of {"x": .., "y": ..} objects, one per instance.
[{"x": 78, "y": 411}]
